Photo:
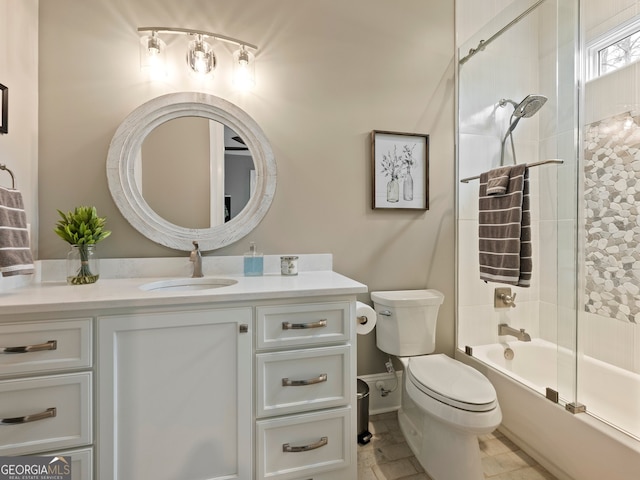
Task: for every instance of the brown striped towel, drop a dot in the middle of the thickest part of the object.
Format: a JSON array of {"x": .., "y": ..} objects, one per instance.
[
  {"x": 15, "y": 253},
  {"x": 505, "y": 226}
]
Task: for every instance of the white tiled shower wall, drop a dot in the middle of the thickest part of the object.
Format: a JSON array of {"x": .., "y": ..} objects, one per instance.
[
  {"x": 524, "y": 61},
  {"x": 520, "y": 62},
  {"x": 608, "y": 339}
]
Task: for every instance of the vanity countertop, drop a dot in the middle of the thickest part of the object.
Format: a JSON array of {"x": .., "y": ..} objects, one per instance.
[{"x": 47, "y": 293}]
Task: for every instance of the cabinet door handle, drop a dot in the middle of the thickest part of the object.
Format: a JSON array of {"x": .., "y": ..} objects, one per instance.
[
  {"x": 48, "y": 413},
  {"x": 301, "y": 383},
  {"x": 305, "y": 448},
  {"x": 299, "y": 326},
  {"x": 49, "y": 345}
]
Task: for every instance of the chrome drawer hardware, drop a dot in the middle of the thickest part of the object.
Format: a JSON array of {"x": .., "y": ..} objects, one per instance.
[
  {"x": 305, "y": 448},
  {"x": 301, "y": 383},
  {"x": 48, "y": 413},
  {"x": 300, "y": 326},
  {"x": 49, "y": 345}
]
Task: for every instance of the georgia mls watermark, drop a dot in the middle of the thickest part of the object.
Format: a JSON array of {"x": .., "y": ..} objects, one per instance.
[{"x": 35, "y": 468}]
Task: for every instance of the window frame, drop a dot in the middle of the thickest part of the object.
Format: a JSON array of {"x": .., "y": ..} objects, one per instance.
[{"x": 607, "y": 39}]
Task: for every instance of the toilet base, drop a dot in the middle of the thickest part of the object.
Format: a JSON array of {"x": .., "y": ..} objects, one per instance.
[{"x": 444, "y": 452}]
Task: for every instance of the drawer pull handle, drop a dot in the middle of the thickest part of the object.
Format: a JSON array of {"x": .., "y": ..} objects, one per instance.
[
  {"x": 301, "y": 383},
  {"x": 300, "y": 326},
  {"x": 48, "y": 413},
  {"x": 50, "y": 345},
  {"x": 305, "y": 448}
]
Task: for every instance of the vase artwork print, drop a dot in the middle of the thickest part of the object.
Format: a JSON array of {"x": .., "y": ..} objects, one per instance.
[{"x": 400, "y": 170}]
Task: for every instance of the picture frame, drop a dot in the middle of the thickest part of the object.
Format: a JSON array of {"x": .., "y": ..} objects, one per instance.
[
  {"x": 400, "y": 170},
  {"x": 4, "y": 107}
]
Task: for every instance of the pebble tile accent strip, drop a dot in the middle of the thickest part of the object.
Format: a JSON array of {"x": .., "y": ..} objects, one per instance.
[{"x": 612, "y": 209}]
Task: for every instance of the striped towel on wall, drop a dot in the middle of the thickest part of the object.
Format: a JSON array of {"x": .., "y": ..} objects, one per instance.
[
  {"x": 15, "y": 253},
  {"x": 505, "y": 226}
]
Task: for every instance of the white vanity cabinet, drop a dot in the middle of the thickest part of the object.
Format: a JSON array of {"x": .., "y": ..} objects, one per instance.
[
  {"x": 305, "y": 401},
  {"x": 252, "y": 381},
  {"x": 46, "y": 385},
  {"x": 174, "y": 395}
]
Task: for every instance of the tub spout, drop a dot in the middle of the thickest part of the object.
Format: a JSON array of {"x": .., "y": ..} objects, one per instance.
[{"x": 504, "y": 329}]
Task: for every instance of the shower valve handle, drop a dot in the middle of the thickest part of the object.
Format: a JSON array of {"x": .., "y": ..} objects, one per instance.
[{"x": 509, "y": 299}]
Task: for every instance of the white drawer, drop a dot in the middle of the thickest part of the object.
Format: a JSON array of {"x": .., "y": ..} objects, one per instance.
[
  {"x": 45, "y": 346},
  {"x": 302, "y": 380},
  {"x": 282, "y": 326},
  {"x": 81, "y": 462},
  {"x": 300, "y": 446},
  {"x": 28, "y": 402}
]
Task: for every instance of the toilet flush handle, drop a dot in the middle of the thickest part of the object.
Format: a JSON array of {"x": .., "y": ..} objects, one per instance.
[{"x": 384, "y": 313}]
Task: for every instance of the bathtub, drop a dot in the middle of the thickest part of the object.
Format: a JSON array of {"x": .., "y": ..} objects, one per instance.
[{"x": 572, "y": 447}]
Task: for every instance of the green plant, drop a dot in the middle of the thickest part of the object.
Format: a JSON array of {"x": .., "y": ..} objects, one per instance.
[{"x": 83, "y": 226}]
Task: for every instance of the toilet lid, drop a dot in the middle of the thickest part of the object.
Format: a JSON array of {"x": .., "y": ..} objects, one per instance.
[{"x": 452, "y": 382}]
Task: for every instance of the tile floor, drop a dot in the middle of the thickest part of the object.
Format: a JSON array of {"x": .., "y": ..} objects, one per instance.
[{"x": 388, "y": 457}]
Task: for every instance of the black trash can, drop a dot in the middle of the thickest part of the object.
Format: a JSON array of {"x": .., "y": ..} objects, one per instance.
[{"x": 364, "y": 436}]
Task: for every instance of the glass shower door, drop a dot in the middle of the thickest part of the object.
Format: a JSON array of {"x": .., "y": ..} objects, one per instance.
[{"x": 532, "y": 52}]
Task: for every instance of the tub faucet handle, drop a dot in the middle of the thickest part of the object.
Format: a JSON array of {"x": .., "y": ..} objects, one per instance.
[
  {"x": 509, "y": 299},
  {"x": 504, "y": 298}
]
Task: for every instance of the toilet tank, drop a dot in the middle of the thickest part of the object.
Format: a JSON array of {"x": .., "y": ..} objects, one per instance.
[{"x": 406, "y": 323}]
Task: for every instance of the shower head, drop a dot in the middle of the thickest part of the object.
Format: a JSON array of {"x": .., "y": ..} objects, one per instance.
[
  {"x": 529, "y": 106},
  {"x": 525, "y": 109}
]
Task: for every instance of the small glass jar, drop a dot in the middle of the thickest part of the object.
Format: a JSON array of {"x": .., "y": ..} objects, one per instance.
[
  {"x": 289, "y": 265},
  {"x": 82, "y": 265}
]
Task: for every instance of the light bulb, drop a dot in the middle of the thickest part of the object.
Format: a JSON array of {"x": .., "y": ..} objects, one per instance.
[
  {"x": 244, "y": 69},
  {"x": 152, "y": 56},
  {"x": 200, "y": 57}
]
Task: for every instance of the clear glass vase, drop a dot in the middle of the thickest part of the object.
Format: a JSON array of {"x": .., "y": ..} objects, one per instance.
[
  {"x": 407, "y": 187},
  {"x": 83, "y": 266},
  {"x": 393, "y": 191}
]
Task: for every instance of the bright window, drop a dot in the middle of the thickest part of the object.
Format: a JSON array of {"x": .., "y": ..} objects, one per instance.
[{"x": 615, "y": 49}]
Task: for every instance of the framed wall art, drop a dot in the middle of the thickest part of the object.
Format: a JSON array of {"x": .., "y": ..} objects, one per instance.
[
  {"x": 4, "y": 109},
  {"x": 400, "y": 166}
]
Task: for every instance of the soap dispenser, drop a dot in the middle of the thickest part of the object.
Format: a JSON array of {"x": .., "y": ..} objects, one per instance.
[{"x": 253, "y": 262}]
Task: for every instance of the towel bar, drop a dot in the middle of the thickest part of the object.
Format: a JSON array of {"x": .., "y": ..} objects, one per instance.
[
  {"x": 534, "y": 164},
  {"x": 13, "y": 179}
]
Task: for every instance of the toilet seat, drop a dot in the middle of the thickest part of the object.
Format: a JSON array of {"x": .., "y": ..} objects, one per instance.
[{"x": 452, "y": 382}]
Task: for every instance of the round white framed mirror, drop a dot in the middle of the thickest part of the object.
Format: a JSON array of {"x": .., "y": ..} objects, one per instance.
[{"x": 124, "y": 166}]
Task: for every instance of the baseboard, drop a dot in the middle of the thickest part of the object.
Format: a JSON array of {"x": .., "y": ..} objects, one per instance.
[{"x": 389, "y": 403}]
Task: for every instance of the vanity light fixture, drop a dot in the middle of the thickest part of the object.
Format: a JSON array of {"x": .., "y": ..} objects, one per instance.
[
  {"x": 201, "y": 59},
  {"x": 153, "y": 55},
  {"x": 244, "y": 69}
]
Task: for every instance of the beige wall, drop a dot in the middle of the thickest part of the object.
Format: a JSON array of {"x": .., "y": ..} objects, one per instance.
[
  {"x": 19, "y": 72},
  {"x": 328, "y": 73}
]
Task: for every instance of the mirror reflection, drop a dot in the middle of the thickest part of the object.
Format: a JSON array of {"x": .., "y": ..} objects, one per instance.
[{"x": 195, "y": 172}]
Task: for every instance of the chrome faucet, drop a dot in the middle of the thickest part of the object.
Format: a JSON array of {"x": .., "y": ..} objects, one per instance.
[
  {"x": 196, "y": 258},
  {"x": 504, "y": 329}
]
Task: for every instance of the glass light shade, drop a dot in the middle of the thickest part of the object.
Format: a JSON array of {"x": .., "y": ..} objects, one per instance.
[
  {"x": 200, "y": 57},
  {"x": 244, "y": 69},
  {"x": 153, "y": 56}
]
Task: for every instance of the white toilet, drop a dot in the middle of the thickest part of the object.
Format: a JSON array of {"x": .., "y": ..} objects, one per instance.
[{"x": 445, "y": 403}]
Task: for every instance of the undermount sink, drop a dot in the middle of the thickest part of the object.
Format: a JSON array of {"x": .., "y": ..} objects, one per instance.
[{"x": 188, "y": 284}]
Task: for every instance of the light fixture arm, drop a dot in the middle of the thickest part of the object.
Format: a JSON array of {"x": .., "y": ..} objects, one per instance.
[{"x": 189, "y": 31}]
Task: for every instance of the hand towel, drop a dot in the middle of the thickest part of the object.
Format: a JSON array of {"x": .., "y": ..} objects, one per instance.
[
  {"x": 498, "y": 181},
  {"x": 15, "y": 253},
  {"x": 505, "y": 227}
]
